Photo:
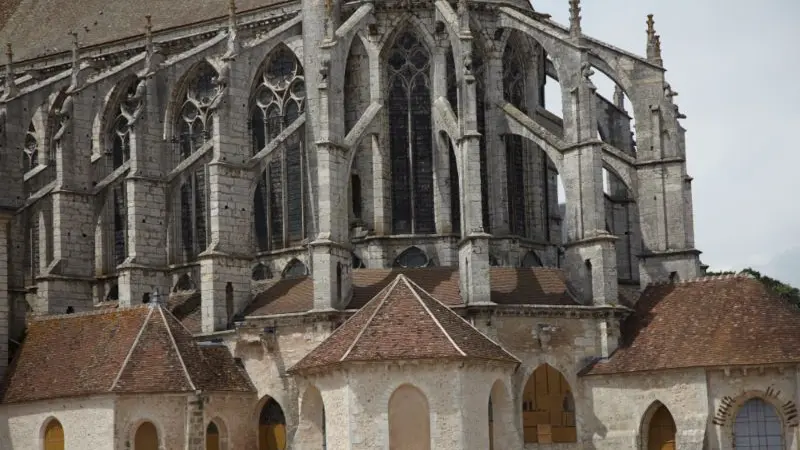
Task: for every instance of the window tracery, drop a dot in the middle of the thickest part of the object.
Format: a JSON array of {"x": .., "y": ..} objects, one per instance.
[
  {"x": 196, "y": 120},
  {"x": 280, "y": 205},
  {"x": 31, "y": 149},
  {"x": 514, "y": 93},
  {"x": 119, "y": 133},
  {"x": 194, "y": 128},
  {"x": 295, "y": 269},
  {"x": 410, "y": 136}
]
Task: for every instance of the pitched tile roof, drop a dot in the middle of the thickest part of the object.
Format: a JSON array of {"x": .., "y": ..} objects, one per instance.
[
  {"x": 403, "y": 322},
  {"x": 143, "y": 349},
  {"x": 709, "y": 322},
  {"x": 184, "y": 306},
  {"x": 533, "y": 286},
  {"x": 99, "y": 21}
]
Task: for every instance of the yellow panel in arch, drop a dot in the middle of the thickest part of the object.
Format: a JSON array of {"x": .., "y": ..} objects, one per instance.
[{"x": 272, "y": 437}]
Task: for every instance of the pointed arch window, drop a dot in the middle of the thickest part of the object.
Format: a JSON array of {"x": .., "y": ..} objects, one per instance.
[
  {"x": 410, "y": 136},
  {"x": 295, "y": 269},
  {"x": 194, "y": 128},
  {"x": 54, "y": 436},
  {"x": 548, "y": 412},
  {"x": 118, "y": 135},
  {"x": 32, "y": 251},
  {"x": 531, "y": 259},
  {"x": 196, "y": 120},
  {"x": 31, "y": 149},
  {"x": 279, "y": 202},
  {"x": 115, "y": 218},
  {"x": 514, "y": 93}
]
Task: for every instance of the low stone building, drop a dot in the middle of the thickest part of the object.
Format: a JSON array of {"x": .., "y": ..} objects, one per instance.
[{"x": 312, "y": 224}]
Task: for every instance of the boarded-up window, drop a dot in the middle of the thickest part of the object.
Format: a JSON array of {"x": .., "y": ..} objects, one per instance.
[
  {"x": 271, "y": 427},
  {"x": 146, "y": 437},
  {"x": 661, "y": 432},
  {"x": 548, "y": 408},
  {"x": 409, "y": 420}
]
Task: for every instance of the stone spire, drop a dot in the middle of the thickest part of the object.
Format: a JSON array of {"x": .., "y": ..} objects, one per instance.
[
  {"x": 653, "y": 42},
  {"x": 11, "y": 86},
  {"x": 148, "y": 41},
  {"x": 575, "y": 18},
  {"x": 233, "y": 31}
]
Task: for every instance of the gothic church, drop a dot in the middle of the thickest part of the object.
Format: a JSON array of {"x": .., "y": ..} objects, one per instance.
[{"x": 318, "y": 224}]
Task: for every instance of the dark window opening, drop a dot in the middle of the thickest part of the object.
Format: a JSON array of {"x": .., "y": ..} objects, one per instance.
[
  {"x": 455, "y": 190},
  {"x": 412, "y": 258},
  {"x": 295, "y": 269},
  {"x": 355, "y": 192}
]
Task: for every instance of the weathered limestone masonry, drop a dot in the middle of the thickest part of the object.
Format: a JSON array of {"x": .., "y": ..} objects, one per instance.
[
  {"x": 144, "y": 268},
  {"x": 5, "y": 228},
  {"x": 225, "y": 264}
]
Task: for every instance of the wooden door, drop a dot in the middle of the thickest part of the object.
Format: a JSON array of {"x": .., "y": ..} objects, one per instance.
[
  {"x": 272, "y": 437},
  {"x": 54, "y": 436},
  {"x": 661, "y": 435},
  {"x": 146, "y": 437}
]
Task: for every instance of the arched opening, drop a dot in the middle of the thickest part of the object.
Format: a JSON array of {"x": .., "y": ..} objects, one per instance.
[
  {"x": 184, "y": 284},
  {"x": 409, "y": 420},
  {"x": 146, "y": 437},
  {"x": 295, "y": 269},
  {"x": 622, "y": 221},
  {"x": 531, "y": 259},
  {"x": 757, "y": 427},
  {"x": 271, "y": 427},
  {"x": 548, "y": 408},
  {"x": 193, "y": 128},
  {"x": 54, "y": 435},
  {"x": 277, "y": 101},
  {"x": 410, "y": 135},
  {"x": 661, "y": 430},
  {"x": 111, "y": 236},
  {"x": 311, "y": 432},
  {"x": 356, "y": 262},
  {"x": 30, "y": 157},
  {"x": 616, "y": 124},
  {"x": 212, "y": 437},
  {"x": 412, "y": 257}
]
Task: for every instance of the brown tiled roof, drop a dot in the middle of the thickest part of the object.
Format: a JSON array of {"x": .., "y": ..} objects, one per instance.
[
  {"x": 130, "y": 350},
  {"x": 403, "y": 322},
  {"x": 534, "y": 286},
  {"x": 41, "y": 27},
  {"x": 706, "y": 323},
  {"x": 184, "y": 306}
]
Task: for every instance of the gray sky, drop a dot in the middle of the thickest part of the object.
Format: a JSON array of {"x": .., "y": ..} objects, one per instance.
[{"x": 739, "y": 82}]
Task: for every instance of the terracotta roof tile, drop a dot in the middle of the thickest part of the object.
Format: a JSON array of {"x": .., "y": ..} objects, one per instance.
[
  {"x": 535, "y": 286},
  {"x": 186, "y": 307},
  {"x": 99, "y": 21},
  {"x": 132, "y": 350},
  {"x": 706, "y": 323},
  {"x": 403, "y": 322}
]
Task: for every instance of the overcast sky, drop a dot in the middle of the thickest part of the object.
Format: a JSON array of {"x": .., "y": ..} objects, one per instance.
[{"x": 736, "y": 66}]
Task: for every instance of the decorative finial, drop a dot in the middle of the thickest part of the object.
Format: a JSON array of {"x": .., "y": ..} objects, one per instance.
[
  {"x": 651, "y": 28},
  {"x": 11, "y": 85},
  {"x": 76, "y": 63},
  {"x": 575, "y": 18},
  {"x": 619, "y": 97},
  {"x": 657, "y": 50},
  {"x": 148, "y": 40},
  {"x": 233, "y": 32}
]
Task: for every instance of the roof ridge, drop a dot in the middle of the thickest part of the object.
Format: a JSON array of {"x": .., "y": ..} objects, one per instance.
[
  {"x": 706, "y": 278},
  {"x": 130, "y": 351},
  {"x": 385, "y": 293},
  {"x": 438, "y": 324},
  {"x": 175, "y": 345},
  {"x": 465, "y": 321},
  {"x": 45, "y": 317}
]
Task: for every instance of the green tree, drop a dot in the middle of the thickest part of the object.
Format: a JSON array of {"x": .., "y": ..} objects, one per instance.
[{"x": 790, "y": 293}]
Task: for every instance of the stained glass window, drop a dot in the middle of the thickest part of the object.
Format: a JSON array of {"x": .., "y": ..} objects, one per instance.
[
  {"x": 279, "y": 99},
  {"x": 410, "y": 140}
]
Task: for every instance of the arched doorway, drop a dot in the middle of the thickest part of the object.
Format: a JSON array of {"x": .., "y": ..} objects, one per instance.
[
  {"x": 661, "y": 432},
  {"x": 146, "y": 437},
  {"x": 757, "y": 427},
  {"x": 548, "y": 408},
  {"x": 54, "y": 436},
  {"x": 271, "y": 427},
  {"x": 212, "y": 437}
]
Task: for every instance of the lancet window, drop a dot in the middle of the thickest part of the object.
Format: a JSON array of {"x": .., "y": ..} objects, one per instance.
[
  {"x": 32, "y": 251},
  {"x": 410, "y": 136},
  {"x": 115, "y": 226},
  {"x": 514, "y": 93},
  {"x": 31, "y": 149},
  {"x": 194, "y": 128},
  {"x": 119, "y": 133},
  {"x": 281, "y": 197}
]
